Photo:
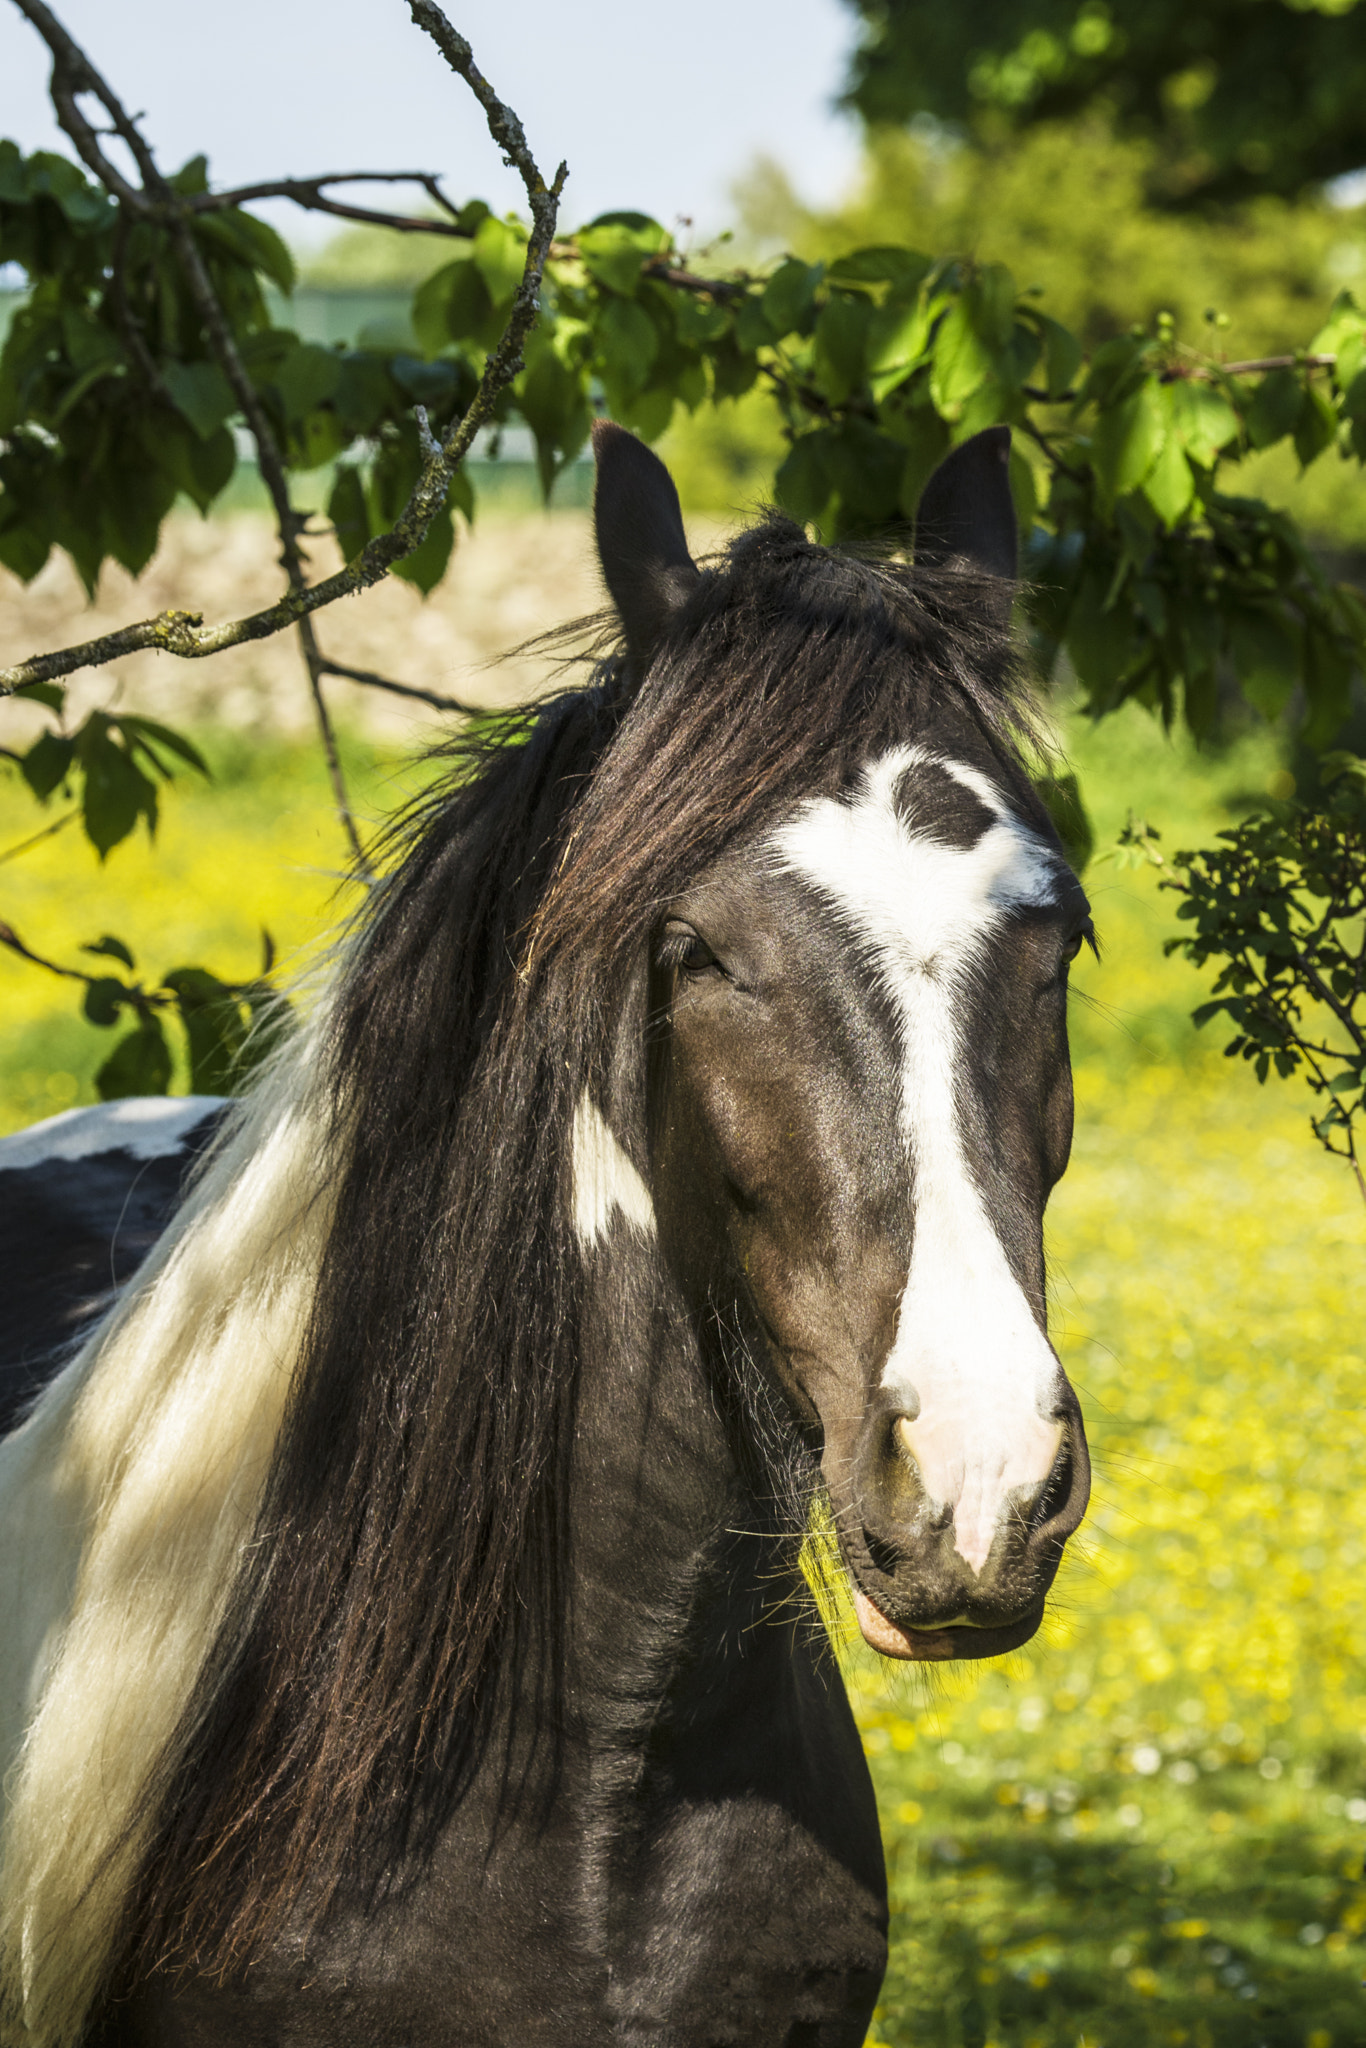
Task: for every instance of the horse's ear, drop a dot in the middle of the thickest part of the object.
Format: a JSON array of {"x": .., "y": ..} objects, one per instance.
[
  {"x": 966, "y": 515},
  {"x": 641, "y": 546}
]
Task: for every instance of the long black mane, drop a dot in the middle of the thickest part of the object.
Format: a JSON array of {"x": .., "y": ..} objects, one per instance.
[{"x": 409, "y": 1571}]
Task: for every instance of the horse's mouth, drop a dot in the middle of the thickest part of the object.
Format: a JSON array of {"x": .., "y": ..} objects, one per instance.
[{"x": 961, "y": 1640}]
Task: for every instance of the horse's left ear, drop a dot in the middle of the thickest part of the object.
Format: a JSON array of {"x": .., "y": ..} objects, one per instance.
[
  {"x": 641, "y": 544},
  {"x": 966, "y": 515}
]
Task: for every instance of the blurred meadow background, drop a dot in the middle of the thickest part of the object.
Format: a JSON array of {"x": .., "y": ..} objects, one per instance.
[{"x": 1150, "y": 1826}]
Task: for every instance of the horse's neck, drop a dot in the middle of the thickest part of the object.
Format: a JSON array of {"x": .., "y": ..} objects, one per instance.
[{"x": 669, "y": 1560}]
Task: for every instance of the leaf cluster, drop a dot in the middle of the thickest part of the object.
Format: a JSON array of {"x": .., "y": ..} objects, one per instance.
[
  {"x": 113, "y": 401},
  {"x": 1238, "y": 95},
  {"x": 112, "y": 763},
  {"x": 223, "y": 1030},
  {"x": 1280, "y": 901}
]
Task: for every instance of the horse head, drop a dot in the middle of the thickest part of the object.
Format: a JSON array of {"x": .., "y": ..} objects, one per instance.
[{"x": 861, "y": 1094}]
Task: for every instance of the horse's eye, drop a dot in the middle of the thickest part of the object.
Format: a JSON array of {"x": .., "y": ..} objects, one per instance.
[
  {"x": 1072, "y": 948},
  {"x": 681, "y": 947}
]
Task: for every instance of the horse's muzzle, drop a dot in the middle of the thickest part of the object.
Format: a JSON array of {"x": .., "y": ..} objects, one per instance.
[{"x": 916, "y": 1594}]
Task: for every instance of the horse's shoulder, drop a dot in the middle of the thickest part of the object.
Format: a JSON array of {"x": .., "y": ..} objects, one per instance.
[{"x": 83, "y": 1198}]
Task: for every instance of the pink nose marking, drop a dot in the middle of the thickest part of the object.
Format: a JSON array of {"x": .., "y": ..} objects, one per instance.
[{"x": 962, "y": 1469}]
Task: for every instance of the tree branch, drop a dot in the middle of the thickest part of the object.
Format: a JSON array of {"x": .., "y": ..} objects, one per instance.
[
  {"x": 183, "y": 633},
  {"x": 378, "y": 682},
  {"x": 308, "y": 193}
]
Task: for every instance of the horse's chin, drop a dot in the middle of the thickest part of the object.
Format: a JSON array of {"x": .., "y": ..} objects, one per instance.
[{"x": 938, "y": 1645}]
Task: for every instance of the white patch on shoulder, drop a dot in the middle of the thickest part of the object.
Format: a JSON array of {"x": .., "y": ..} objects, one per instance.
[
  {"x": 126, "y": 1500},
  {"x": 605, "y": 1180},
  {"x": 147, "y": 1126},
  {"x": 978, "y": 1376}
]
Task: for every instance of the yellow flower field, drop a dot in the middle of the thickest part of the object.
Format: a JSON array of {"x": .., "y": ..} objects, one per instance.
[{"x": 1149, "y": 1827}]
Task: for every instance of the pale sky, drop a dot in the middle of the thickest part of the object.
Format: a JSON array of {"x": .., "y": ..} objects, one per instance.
[{"x": 655, "y": 107}]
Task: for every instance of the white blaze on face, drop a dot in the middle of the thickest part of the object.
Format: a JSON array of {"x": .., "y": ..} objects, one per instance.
[
  {"x": 977, "y": 1376},
  {"x": 605, "y": 1181}
]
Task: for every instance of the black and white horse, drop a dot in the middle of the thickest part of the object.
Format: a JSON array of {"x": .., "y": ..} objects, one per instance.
[{"x": 401, "y": 1631}]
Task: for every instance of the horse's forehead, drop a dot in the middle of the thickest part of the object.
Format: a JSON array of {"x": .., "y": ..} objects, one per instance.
[{"x": 925, "y": 855}]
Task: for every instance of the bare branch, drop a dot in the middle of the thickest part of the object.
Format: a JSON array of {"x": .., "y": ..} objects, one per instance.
[
  {"x": 504, "y": 126},
  {"x": 378, "y": 682},
  {"x": 1210, "y": 372},
  {"x": 309, "y": 194},
  {"x": 317, "y": 669}
]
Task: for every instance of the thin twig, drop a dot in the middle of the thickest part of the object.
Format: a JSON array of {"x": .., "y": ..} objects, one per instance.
[
  {"x": 1209, "y": 372},
  {"x": 23, "y": 845},
  {"x": 308, "y": 193},
  {"x": 378, "y": 682},
  {"x": 317, "y": 669},
  {"x": 10, "y": 939}
]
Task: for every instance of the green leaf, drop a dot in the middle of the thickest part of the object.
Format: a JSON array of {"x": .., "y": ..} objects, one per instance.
[
  {"x": 1316, "y": 428},
  {"x": 803, "y": 484},
  {"x": 140, "y": 1064},
  {"x": 426, "y": 565},
  {"x": 898, "y": 337},
  {"x": 140, "y": 729},
  {"x": 52, "y": 695},
  {"x": 1062, "y": 356},
  {"x": 963, "y": 358},
  {"x": 1202, "y": 418},
  {"x": 116, "y": 792},
  {"x": 925, "y": 438},
  {"x": 431, "y": 384},
  {"x": 104, "y": 998},
  {"x": 212, "y": 1017},
  {"x": 192, "y": 177},
  {"x": 1266, "y": 655},
  {"x": 1023, "y": 491},
  {"x": 903, "y": 269},
  {"x": 307, "y": 378},
  {"x": 1100, "y": 641},
  {"x": 1275, "y": 408},
  {"x": 499, "y": 255},
  {"x": 991, "y": 294},
  {"x": 615, "y": 246},
  {"x": 364, "y": 397},
  {"x": 627, "y": 344},
  {"x": 789, "y": 297},
  {"x": 1327, "y": 689},
  {"x": 1114, "y": 368},
  {"x": 113, "y": 948},
  {"x": 248, "y": 238},
  {"x": 841, "y": 341},
  {"x": 1169, "y": 486},
  {"x": 866, "y": 469},
  {"x": 553, "y": 400},
  {"x": 452, "y": 305},
  {"x": 47, "y": 763},
  {"x": 202, "y": 393},
  {"x": 1128, "y": 439},
  {"x": 346, "y": 508},
  {"x": 1062, "y": 800}
]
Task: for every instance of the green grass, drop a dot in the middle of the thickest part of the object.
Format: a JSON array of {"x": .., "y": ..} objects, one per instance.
[{"x": 1149, "y": 1826}]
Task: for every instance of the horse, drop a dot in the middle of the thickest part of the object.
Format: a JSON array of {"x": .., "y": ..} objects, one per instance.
[{"x": 403, "y": 1522}]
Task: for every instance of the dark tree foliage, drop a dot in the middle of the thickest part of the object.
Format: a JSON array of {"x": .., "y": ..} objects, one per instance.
[
  {"x": 149, "y": 341},
  {"x": 1238, "y": 96},
  {"x": 1280, "y": 904}
]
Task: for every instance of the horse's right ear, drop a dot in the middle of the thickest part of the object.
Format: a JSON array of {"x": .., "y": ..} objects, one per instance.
[
  {"x": 966, "y": 516},
  {"x": 641, "y": 545}
]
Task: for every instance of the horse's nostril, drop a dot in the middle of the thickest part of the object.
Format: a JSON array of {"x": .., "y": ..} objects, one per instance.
[
  {"x": 883, "y": 1554},
  {"x": 1056, "y": 1493}
]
